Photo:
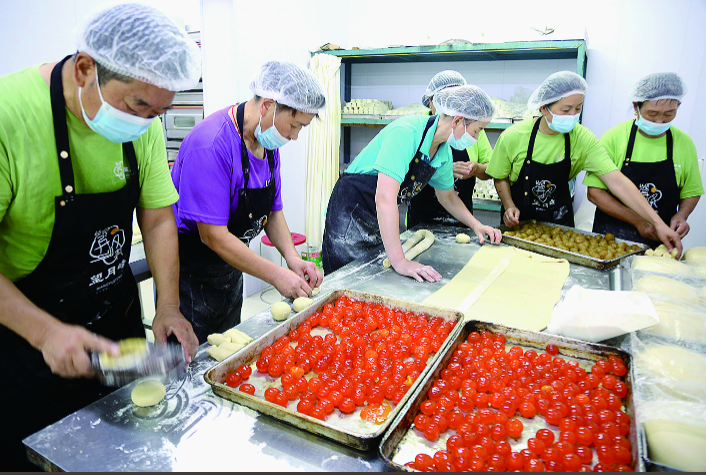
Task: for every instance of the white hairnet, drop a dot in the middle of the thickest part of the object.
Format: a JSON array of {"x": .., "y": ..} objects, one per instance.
[
  {"x": 657, "y": 86},
  {"x": 141, "y": 42},
  {"x": 470, "y": 102},
  {"x": 442, "y": 80},
  {"x": 557, "y": 86},
  {"x": 290, "y": 85}
]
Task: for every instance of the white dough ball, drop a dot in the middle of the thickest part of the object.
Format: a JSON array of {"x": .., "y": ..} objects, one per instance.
[
  {"x": 463, "y": 238},
  {"x": 148, "y": 393},
  {"x": 301, "y": 303},
  {"x": 280, "y": 311}
]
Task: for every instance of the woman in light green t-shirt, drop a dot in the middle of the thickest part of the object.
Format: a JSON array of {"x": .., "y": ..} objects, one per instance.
[
  {"x": 657, "y": 157},
  {"x": 532, "y": 163}
]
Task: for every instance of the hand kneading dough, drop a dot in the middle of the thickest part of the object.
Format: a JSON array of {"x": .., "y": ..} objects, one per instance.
[
  {"x": 148, "y": 393},
  {"x": 658, "y": 285},
  {"x": 676, "y": 445},
  {"x": 216, "y": 339},
  {"x": 280, "y": 311},
  {"x": 412, "y": 247},
  {"x": 301, "y": 303},
  {"x": 463, "y": 238},
  {"x": 673, "y": 362},
  {"x": 219, "y": 353}
]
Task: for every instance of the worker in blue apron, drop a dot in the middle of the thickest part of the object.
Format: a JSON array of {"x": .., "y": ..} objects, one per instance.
[
  {"x": 82, "y": 296},
  {"x": 657, "y": 157},
  {"x": 407, "y": 155},
  {"x": 467, "y": 164},
  {"x": 228, "y": 177},
  {"x": 534, "y": 160}
]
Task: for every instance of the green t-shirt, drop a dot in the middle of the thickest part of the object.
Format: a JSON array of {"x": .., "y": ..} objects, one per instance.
[
  {"x": 511, "y": 150},
  {"x": 686, "y": 165},
  {"x": 392, "y": 150},
  {"x": 29, "y": 169},
  {"x": 481, "y": 151}
]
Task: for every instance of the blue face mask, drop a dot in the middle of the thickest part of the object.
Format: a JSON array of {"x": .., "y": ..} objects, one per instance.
[
  {"x": 463, "y": 143},
  {"x": 114, "y": 124},
  {"x": 651, "y": 128},
  {"x": 271, "y": 139},
  {"x": 563, "y": 123}
]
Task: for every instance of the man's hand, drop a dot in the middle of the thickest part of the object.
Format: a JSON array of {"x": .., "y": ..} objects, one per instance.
[
  {"x": 65, "y": 349},
  {"x": 306, "y": 270},
  {"x": 679, "y": 225},
  {"x": 289, "y": 284},
  {"x": 512, "y": 217},
  {"x": 647, "y": 230},
  {"x": 168, "y": 320}
]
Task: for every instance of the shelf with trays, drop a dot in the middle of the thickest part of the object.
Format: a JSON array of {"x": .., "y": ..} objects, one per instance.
[
  {"x": 369, "y": 120},
  {"x": 518, "y": 50}
]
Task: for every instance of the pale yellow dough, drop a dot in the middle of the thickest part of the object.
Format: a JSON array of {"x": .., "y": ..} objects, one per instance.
[
  {"x": 148, "y": 393},
  {"x": 219, "y": 353},
  {"x": 671, "y": 288},
  {"x": 676, "y": 445},
  {"x": 504, "y": 285},
  {"x": 280, "y": 311},
  {"x": 315, "y": 291},
  {"x": 463, "y": 238},
  {"x": 301, "y": 303},
  {"x": 216, "y": 339}
]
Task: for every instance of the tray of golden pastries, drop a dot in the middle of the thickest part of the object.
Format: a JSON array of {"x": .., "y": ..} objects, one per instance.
[{"x": 576, "y": 246}]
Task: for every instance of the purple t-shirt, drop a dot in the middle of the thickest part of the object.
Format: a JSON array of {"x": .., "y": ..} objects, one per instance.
[{"x": 208, "y": 174}]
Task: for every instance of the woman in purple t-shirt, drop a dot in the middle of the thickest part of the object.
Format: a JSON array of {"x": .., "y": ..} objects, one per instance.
[{"x": 228, "y": 193}]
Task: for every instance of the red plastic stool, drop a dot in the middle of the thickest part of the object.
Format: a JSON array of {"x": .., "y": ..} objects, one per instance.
[{"x": 297, "y": 239}]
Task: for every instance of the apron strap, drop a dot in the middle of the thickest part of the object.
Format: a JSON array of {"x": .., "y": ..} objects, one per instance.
[
  {"x": 430, "y": 122},
  {"x": 244, "y": 157},
  {"x": 61, "y": 131}
]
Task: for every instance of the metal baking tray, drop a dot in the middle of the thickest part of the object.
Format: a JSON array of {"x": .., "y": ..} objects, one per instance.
[
  {"x": 402, "y": 442},
  {"x": 348, "y": 429},
  {"x": 573, "y": 257}
]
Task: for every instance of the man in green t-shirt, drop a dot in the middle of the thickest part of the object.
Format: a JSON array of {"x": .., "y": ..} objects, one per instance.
[
  {"x": 657, "y": 157},
  {"x": 79, "y": 152}
]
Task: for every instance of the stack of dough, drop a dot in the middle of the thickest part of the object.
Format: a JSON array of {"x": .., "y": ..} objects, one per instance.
[
  {"x": 418, "y": 243},
  {"x": 669, "y": 288},
  {"x": 662, "y": 251},
  {"x": 668, "y": 266},
  {"x": 678, "y": 321},
  {"x": 224, "y": 345}
]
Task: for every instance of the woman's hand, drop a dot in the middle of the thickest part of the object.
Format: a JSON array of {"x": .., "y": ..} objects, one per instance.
[{"x": 417, "y": 271}]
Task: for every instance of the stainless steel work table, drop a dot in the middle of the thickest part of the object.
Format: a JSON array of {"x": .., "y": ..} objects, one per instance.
[{"x": 198, "y": 431}]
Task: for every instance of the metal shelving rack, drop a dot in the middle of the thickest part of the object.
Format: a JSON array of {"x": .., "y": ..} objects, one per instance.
[{"x": 522, "y": 50}]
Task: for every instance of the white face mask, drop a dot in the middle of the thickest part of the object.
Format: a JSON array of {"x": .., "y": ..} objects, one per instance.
[{"x": 466, "y": 140}]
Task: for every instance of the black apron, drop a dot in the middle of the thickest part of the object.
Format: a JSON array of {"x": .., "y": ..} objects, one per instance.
[
  {"x": 425, "y": 207},
  {"x": 84, "y": 279},
  {"x": 210, "y": 289},
  {"x": 351, "y": 218},
  {"x": 658, "y": 184},
  {"x": 542, "y": 191}
]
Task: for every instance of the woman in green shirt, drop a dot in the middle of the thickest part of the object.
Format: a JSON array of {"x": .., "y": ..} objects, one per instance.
[
  {"x": 657, "y": 157},
  {"x": 467, "y": 164},
  {"x": 534, "y": 160},
  {"x": 403, "y": 158}
]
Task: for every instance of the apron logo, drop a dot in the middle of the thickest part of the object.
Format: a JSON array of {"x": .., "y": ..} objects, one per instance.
[
  {"x": 119, "y": 170},
  {"x": 651, "y": 193},
  {"x": 107, "y": 245},
  {"x": 544, "y": 190},
  {"x": 255, "y": 230}
]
